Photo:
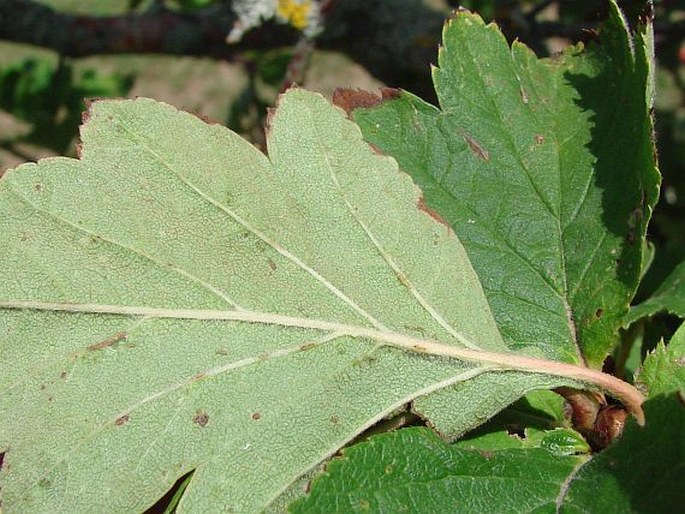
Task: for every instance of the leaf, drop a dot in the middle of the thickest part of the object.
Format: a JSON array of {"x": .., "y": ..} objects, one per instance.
[
  {"x": 669, "y": 297},
  {"x": 544, "y": 168},
  {"x": 663, "y": 370},
  {"x": 641, "y": 472},
  {"x": 176, "y": 301},
  {"x": 412, "y": 470}
]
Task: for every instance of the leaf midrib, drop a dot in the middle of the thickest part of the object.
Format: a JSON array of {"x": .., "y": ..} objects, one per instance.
[{"x": 630, "y": 396}]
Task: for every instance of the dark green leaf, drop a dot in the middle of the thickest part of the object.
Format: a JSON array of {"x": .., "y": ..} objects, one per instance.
[
  {"x": 413, "y": 470},
  {"x": 664, "y": 369},
  {"x": 544, "y": 168},
  {"x": 670, "y": 297}
]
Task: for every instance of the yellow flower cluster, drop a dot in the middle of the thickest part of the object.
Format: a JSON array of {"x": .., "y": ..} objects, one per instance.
[{"x": 295, "y": 12}]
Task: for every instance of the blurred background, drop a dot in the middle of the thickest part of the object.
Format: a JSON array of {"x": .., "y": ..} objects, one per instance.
[{"x": 227, "y": 61}]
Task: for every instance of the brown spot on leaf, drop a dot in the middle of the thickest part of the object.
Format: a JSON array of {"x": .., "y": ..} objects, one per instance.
[
  {"x": 307, "y": 346},
  {"x": 85, "y": 115},
  {"x": 63, "y": 375},
  {"x": 539, "y": 139},
  {"x": 198, "y": 377},
  {"x": 350, "y": 99},
  {"x": 599, "y": 313},
  {"x": 476, "y": 148},
  {"x": 419, "y": 348},
  {"x": 207, "y": 119},
  {"x": 221, "y": 352},
  {"x": 375, "y": 149},
  {"x": 121, "y": 420},
  {"x": 270, "y": 113},
  {"x": 334, "y": 419},
  {"x": 111, "y": 341},
  {"x": 201, "y": 418},
  {"x": 38, "y": 187},
  {"x": 256, "y": 416},
  {"x": 272, "y": 264},
  {"x": 486, "y": 454},
  {"x": 423, "y": 207}
]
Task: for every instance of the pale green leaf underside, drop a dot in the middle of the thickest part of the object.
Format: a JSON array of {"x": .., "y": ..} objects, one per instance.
[{"x": 175, "y": 300}]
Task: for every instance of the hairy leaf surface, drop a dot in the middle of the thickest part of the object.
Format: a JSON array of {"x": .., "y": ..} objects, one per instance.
[
  {"x": 545, "y": 169},
  {"x": 174, "y": 301},
  {"x": 412, "y": 470}
]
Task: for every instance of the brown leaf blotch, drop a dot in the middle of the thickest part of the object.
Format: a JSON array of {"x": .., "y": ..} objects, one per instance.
[
  {"x": 110, "y": 341},
  {"x": 476, "y": 148},
  {"x": 121, "y": 420},
  {"x": 270, "y": 113},
  {"x": 350, "y": 99},
  {"x": 256, "y": 416},
  {"x": 202, "y": 117},
  {"x": 201, "y": 418},
  {"x": 424, "y": 208},
  {"x": 486, "y": 454}
]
